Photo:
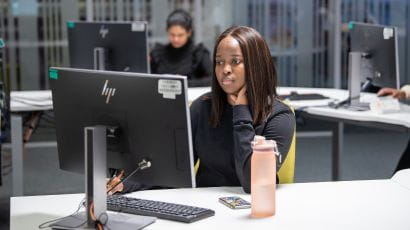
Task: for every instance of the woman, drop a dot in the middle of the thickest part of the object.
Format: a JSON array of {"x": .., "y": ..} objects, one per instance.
[
  {"x": 243, "y": 102},
  {"x": 181, "y": 56}
]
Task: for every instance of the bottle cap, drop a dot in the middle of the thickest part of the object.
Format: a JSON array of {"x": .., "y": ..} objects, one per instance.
[
  {"x": 260, "y": 143},
  {"x": 258, "y": 140}
]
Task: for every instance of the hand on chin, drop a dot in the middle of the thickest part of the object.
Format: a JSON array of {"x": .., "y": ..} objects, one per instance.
[{"x": 238, "y": 98}]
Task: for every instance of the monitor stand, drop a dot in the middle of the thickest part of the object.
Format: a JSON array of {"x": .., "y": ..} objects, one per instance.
[
  {"x": 354, "y": 80},
  {"x": 95, "y": 145},
  {"x": 100, "y": 58}
]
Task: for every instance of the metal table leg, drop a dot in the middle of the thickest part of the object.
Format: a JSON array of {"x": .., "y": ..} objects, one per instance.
[
  {"x": 1, "y": 165},
  {"x": 337, "y": 151},
  {"x": 17, "y": 154}
]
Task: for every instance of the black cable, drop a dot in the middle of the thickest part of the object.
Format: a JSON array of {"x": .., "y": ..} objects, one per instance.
[
  {"x": 82, "y": 202},
  {"x": 144, "y": 164}
]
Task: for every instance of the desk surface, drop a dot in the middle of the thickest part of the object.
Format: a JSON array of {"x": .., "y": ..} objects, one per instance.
[{"x": 372, "y": 204}]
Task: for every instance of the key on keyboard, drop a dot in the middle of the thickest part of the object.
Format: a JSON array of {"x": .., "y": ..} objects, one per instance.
[{"x": 162, "y": 210}]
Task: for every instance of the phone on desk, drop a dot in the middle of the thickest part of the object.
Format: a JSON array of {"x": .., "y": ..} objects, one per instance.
[{"x": 235, "y": 202}]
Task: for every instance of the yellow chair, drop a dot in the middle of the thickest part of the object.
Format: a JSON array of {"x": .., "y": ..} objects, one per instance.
[
  {"x": 196, "y": 166},
  {"x": 286, "y": 173}
]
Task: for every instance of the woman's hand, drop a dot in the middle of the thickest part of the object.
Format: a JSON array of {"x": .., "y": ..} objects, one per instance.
[
  {"x": 396, "y": 93},
  {"x": 240, "y": 98},
  {"x": 115, "y": 185}
]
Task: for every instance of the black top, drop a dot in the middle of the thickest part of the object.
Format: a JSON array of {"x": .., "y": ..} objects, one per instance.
[
  {"x": 190, "y": 60},
  {"x": 225, "y": 151}
]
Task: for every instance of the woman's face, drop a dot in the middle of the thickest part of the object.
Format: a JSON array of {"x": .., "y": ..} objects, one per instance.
[
  {"x": 229, "y": 66},
  {"x": 178, "y": 36}
]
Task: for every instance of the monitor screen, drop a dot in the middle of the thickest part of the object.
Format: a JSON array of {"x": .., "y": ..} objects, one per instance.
[
  {"x": 378, "y": 45},
  {"x": 115, "y": 46},
  {"x": 147, "y": 115}
]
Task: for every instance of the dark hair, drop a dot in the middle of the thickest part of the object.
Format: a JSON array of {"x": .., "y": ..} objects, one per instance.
[
  {"x": 260, "y": 75},
  {"x": 181, "y": 18}
]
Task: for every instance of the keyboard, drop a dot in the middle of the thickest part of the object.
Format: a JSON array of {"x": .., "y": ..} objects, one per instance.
[
  {"x": 293, "y": 96},
  {"x": 162, "y": 210}
]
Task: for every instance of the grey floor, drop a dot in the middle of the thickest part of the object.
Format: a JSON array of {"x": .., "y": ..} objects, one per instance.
[{"x": 368, "y": 154}]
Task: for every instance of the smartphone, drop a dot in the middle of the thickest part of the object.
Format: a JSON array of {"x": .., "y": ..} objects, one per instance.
[{"x": 235, "y": 202}]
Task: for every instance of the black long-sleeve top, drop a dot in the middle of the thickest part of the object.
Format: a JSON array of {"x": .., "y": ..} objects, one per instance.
[
  {"x": 190, "y": 60},
  {"x": 225, "y": 151}
]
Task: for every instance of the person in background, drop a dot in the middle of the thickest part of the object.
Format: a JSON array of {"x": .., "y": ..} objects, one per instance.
[
  {"x": 242, "y": 103},
  {"x": 403, "y": 94},
  {"x": 181, "y": 56}
]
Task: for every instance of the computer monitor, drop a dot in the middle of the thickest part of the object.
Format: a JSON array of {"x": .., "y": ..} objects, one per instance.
[
  {"x": 114, "y": 46},
  {"x": 107, "y": 119},
  {"x": 373, "y": 59},
  {"x": 147, "y": 114}
]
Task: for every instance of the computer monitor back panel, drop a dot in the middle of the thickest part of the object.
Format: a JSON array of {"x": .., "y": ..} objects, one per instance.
[
  {"x": 152, "y": 125},
  {"x": 125, "y": 45},
  {"x": 378, "y": 44}
]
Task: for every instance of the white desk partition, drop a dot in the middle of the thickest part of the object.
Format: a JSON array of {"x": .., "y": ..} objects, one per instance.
[{"x": 372, "y": 204}]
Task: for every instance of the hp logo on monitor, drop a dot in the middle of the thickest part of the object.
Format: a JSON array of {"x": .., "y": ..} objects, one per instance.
[
  {"x": 108, "y": 92},
  {"x": 103, "y": 31}
]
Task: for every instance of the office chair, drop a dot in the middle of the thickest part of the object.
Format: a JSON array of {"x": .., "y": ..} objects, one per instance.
[{"x": 286, "y": 173}]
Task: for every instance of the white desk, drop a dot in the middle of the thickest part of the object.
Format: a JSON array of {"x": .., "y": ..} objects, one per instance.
[
  {"x": 393, "y": 121},
  {"x": 372, "y": 204}
]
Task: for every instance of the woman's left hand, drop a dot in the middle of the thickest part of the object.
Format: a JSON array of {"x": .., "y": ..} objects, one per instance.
[{"x": 241, "y": 98}]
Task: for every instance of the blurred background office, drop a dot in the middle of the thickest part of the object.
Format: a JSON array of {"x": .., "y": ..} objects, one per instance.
[
  {"x": 302, "y": 35},
  {"x": 308, "y": 40}
]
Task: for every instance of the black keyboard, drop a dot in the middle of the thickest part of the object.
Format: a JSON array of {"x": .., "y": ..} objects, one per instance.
[
  {"x": 162, "y": 210},
  {"x": 293, "y": 96}
]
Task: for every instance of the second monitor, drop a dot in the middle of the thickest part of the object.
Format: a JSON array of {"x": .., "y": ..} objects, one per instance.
[
  {"x": 115, "y": 46},
  {"x": 373, "y": 60}
]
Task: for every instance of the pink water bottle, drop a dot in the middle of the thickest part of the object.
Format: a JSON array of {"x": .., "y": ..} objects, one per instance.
[{"x": 263, "y": 177}]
